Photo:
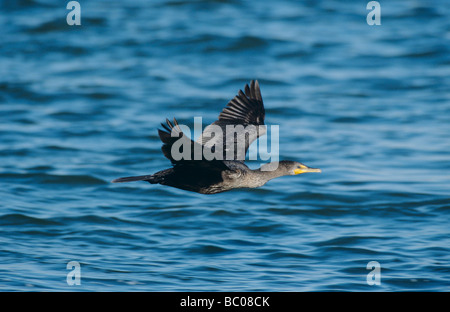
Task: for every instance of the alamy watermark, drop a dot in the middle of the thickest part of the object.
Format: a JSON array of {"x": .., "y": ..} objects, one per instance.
[
  {"x": 74, "y": 276},
  {"x": 374, "y": 16},
  {"x": 374, "y": 276},
  {"x": 74, "y": 16}
]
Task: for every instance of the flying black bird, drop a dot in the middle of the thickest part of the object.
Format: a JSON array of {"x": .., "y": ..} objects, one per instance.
[{"x": 206, "y": 175}]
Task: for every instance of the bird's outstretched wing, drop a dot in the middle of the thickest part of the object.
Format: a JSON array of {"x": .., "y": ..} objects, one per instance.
[
  {"x": 246, "y": 107},
  {"x": 241, "y": 123},
  {"x": 186, "y": 153}
]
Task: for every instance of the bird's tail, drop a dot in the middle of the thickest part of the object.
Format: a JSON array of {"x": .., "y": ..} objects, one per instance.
[{"x": 148, "y": 178}]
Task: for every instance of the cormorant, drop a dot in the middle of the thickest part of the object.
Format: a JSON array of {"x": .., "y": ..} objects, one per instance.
[{"x": 209, "y": 176}]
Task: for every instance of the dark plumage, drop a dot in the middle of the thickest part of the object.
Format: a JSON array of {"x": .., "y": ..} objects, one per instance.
[{"x": 206, "y": 176}]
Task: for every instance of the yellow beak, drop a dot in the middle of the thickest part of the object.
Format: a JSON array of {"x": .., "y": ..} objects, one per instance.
[{"x": 306, "y": 169}]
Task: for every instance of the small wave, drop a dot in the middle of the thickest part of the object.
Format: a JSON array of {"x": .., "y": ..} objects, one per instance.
[
  {"x": 280, "y": 255},
  {"x": 21, "y": 219},
  {"x": 101, "y": 95},
  {"x": 91, "y": 219},
  {"x": 23, "y": 91},
  {"x": 198, "y": 4},
  {"x": 419, "y": 12},
  {"x": 410, "y": 284},
  {"x": 44, "y": 178},
  {"x": 68, "y": 115},
  {"x": 348, "y": 119},
  {"x": 247, "y": 42},
  {"x": 346, "y": 240},
  {"x": 26, "y": 4},
  {"x": 59, "y": 148},
  {"x": 331, "y": 251},
  {"x": 208, "y": 249},
  {"x": 40, "y": 168},
  {"x": 264, "y": 228},
  {"x": 49, "y": 26}
]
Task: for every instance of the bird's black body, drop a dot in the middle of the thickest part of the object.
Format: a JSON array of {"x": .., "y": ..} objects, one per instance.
[
  {"x": 206, "y": 176},
  {"x": 200, "y": 180}
]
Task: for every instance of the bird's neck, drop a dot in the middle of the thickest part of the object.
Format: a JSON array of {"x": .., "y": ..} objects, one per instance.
[{"x": 264, "y": 175}]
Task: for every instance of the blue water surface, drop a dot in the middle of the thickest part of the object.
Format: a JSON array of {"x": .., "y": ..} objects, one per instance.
[{"x": 369, "y": 105}]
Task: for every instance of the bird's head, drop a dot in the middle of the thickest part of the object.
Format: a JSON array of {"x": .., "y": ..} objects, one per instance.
[
  {"x": 287, "y": 167},
  {"x": 295, "y": 167}
]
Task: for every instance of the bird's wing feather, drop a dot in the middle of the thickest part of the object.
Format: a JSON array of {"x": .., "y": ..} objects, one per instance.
[
  {"x": 246, "y": 107},
  {"x": 241, "y": 121},
  {"x": 171, "y": 134}
]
